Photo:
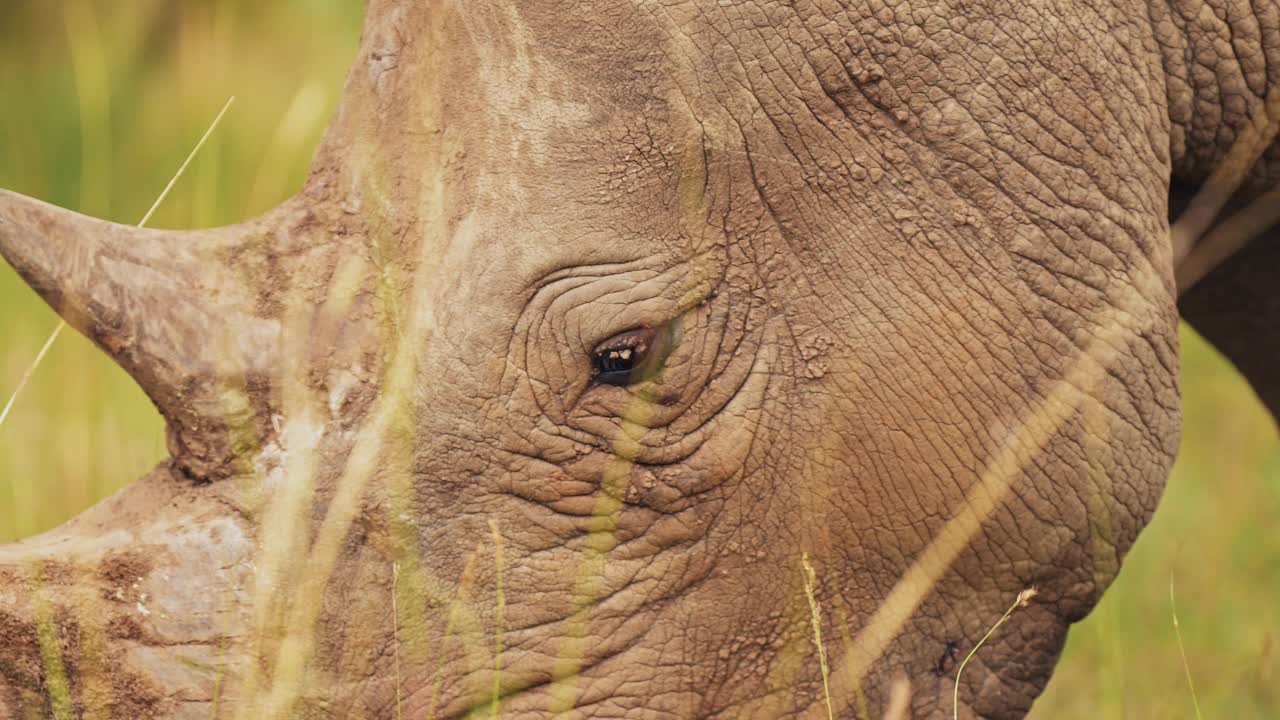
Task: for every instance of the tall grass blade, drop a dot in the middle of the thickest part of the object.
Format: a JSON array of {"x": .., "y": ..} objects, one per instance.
[
  {"x": 502, "y": 607},
  {"x": 395, "y": 631},
  {"x": 815, "y": 617},
  {"x": 194, "y": 151},
  {"x": 1182, "y": 650},
  {"x": 899, "y": 705},
  {"x": 26, "y": 376},
  {"x": 1023, "y": 599}
]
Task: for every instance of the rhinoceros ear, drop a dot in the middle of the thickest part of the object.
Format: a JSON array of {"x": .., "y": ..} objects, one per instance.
[{"x": 177, "y": 310}]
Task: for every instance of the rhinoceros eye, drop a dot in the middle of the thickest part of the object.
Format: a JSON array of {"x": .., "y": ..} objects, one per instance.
[{"x": 633, "y": 356}]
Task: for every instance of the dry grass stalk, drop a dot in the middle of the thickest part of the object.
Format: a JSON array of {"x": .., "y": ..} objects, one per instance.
[
  {"x": 1024, "y": 598},
  {"x": 502, "y": 607},
  {"x": 1213, "y": 196},
  {"x": 1043, "y": 419},
  {"x": 1182, "y": 650},
  {"x": 395, "y": 632},
  {"x": 815, "y": 617},
  {"x": 899, "y": 704},
  {"x": 1228, "y": 238}
]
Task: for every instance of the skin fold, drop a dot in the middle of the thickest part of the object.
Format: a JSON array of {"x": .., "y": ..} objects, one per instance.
[{"x": 911, "y": 268}]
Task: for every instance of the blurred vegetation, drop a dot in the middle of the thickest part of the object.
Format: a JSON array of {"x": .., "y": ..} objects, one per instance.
[{"x": 100, "y": 107}]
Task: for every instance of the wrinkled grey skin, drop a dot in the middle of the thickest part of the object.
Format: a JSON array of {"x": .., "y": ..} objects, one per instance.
[{"x": 918, "y": 256}]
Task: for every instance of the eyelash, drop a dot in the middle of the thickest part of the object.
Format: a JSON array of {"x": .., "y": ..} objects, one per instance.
[{"x": 632, "y": 357}]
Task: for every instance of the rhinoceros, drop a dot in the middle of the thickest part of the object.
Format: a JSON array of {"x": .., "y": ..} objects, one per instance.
[{"x": 642, "y": 359}]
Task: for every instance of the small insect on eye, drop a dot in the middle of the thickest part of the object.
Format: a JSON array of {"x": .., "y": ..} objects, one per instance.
[{"x": 633, "y": 356}]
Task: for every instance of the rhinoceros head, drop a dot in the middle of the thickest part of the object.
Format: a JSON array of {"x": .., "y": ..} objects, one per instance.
[{"x": 633, "y": 359}]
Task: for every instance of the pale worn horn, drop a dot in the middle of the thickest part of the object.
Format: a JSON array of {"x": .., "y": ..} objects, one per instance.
[{"x": 177, "y": 310}]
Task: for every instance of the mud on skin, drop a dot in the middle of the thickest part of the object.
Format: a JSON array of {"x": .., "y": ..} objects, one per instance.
[{"x": 897, "y": 292}]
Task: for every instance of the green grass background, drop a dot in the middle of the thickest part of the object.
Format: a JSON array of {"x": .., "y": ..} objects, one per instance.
[{"x": 101, "y": 101}]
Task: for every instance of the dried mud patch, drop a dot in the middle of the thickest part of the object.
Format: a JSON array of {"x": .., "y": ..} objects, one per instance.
[
  {"x": 20, "y": 661},
  {"x": 99, "y": 685},
  {"x": 122, "y": 570}
]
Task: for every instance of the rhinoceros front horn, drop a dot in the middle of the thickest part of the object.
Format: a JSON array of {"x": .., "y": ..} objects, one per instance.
[{"x": 176, "y": 310}]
